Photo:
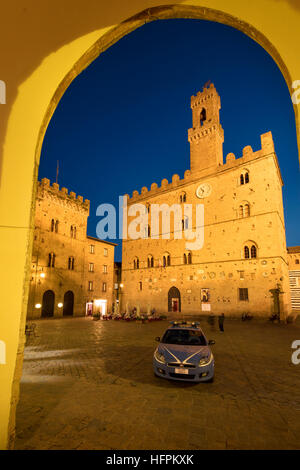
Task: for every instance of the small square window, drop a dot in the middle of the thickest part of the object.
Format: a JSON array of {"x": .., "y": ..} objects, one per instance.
[
  {"x": 92, "y": 248},
  {"x": 105, "y": 252},
  {"x": 105, "y": 269}
]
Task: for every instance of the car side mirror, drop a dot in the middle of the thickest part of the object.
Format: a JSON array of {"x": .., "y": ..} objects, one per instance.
[
  {"x": 211, "y": 341},
  {"x": 157, "y": 338}
]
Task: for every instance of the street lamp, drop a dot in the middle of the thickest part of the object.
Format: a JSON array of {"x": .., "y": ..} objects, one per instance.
[
  {"x": 37, "y": 305},
  {"x": 60, "y": 305}
]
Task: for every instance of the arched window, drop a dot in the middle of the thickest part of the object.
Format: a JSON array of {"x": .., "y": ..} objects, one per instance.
[
  {"x": 71, "y": 263},
  {"x": 136, "y": 263},
  {"x": 246, "y": 210},
  {"x": 51, "y": 260},
  {"x": 56, "y": 226},
  {"x": 182, "y": 197},
  {"x": 253, "y": 251},
  {"x": 246, "y": 252},
  {"x": 244, "y": 177},
  {"x": 184, "y": 259},
  {"x": 52, "y": 225},
  {"x": 73, "y": 231},
  {"x": 190, "y": 258},
  {"x": 202, "y": 116},
  {"x": 147, "y": 208},
  {"x": 166, "y": 260},
  {"x": 150, "y": 261}
]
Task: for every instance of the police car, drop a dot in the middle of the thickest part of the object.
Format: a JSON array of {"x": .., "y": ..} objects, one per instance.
[{"x": 184, "y": 354}]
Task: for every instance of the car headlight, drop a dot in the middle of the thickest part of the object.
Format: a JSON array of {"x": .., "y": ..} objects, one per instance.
[
  {"x": 204, "y": 361},
  {"x": 159, "y": 357}
]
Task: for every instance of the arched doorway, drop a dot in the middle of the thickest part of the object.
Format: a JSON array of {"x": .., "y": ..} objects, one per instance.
[
  {"x": 174, "y": 300},
  {"x": 48, "y": 304},
  {"x": 68, "y": 303}
]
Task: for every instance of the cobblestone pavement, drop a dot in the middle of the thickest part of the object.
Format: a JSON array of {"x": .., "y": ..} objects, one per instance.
[{"x": 90, "y": 385}]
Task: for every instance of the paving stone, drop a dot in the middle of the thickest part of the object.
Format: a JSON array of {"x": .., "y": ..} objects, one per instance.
[{"x": 90, "y": 385}]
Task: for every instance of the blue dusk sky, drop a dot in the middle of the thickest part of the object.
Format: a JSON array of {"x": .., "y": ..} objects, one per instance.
[{"x": 122, "y": 124}]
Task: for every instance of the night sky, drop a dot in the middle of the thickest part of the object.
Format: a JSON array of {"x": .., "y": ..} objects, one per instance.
[{"x": 122, "y": 124}]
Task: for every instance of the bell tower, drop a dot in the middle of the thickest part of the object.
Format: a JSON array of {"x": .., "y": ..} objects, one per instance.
[{"x": 206, "y": 137}]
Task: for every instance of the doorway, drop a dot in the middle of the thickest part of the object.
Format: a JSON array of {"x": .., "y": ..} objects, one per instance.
[
  {"x": 174, "y": 300},
  {"x": 68, "y": 303},
  {"x": 48, "y": 304}
]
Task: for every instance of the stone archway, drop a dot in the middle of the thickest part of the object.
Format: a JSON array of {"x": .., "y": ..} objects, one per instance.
[
  {"x": 37, "y": 91},
  {"x": 48, "y": 304},
  {"x": 174, "y": 300},
  {"x": 68, "y": 303}
]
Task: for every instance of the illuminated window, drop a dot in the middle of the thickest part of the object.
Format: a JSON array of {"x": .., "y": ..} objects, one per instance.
[{"x": 91, "y": 267}]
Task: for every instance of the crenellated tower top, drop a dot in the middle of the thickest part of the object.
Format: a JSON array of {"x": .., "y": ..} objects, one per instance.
[
  {"x": 206, "y": 137},
  {"x": 62, "y": 194}
]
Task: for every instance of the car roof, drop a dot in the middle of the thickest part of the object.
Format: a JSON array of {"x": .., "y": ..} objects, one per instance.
[{"x": 185, "y": 325}]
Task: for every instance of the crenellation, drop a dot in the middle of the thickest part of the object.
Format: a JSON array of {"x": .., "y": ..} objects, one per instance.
[
  {"x": 175, "y": 180},
  {"x": 60, "y": 195},
  {"x": 164, "y": 183},
  {"x": 267, "y": 143},
  {"x": 230, "y": 158}
]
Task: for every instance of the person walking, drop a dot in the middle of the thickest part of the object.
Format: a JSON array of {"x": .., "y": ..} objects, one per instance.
[{"x": 221, "y": 321}]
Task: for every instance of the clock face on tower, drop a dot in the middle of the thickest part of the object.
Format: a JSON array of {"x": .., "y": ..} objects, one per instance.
[{"x": 203, "y": 190}]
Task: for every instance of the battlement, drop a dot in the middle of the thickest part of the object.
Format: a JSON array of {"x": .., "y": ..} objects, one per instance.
[
  {"x": 44, "y": 185},
  {"x": 267, "y": 148},
  {"x": 204, "y": 96}
]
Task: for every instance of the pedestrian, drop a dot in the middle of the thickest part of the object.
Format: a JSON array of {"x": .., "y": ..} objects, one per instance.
[{"x": 221, "y": 321}]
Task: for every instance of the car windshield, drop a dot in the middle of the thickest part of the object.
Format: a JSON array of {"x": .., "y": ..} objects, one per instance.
[{"x": 184, "y": 337}]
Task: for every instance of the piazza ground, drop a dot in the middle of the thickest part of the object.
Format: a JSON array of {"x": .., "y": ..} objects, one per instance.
[{"x": 90, "y": 385}]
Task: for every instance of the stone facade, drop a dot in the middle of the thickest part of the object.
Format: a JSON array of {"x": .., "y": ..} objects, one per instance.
[
  {"x": 243, "y": 207},
  {"x": 72, "y": 273}
]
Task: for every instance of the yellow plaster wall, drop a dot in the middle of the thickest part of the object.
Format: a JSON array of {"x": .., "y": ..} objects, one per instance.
[{"x": 43, "y": 46}]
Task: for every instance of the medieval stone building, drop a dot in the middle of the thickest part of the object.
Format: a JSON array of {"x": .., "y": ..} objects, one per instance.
[
  {"x": 242, "y": 266},
  {"x": 72, "y": 273}
]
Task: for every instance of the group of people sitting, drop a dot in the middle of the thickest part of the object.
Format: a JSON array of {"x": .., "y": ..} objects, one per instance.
[{"x": 134, "y": 315}]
